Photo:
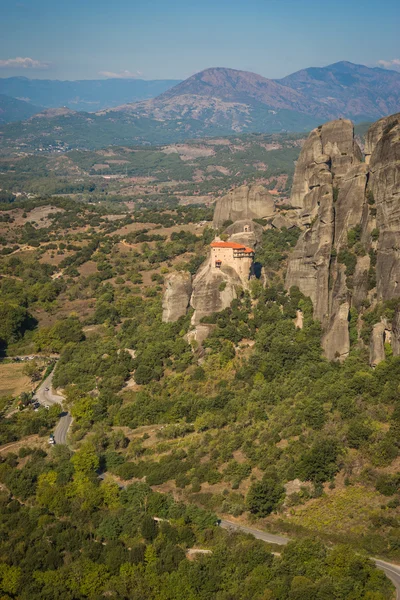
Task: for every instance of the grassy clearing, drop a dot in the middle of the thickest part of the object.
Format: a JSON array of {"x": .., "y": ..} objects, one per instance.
[
  {"x": 13, "y": 381},
  {"x": 342, "y": 511}
]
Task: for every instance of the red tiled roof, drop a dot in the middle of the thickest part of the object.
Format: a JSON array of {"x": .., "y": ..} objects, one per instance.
[{"x": 232, "y": 245}]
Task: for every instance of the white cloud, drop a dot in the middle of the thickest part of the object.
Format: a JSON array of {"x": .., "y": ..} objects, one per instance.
[
  {"x": 121, "y": 75},
  {"x": 23, "y": 63},
  {"x": 390, "y": 64}
]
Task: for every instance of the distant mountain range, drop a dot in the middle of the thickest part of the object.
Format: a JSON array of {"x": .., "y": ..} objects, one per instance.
[
  {"x": 217, "y": 101},
  {"x": 12, "y": 109},
  {"x": 86, "y": 95}
]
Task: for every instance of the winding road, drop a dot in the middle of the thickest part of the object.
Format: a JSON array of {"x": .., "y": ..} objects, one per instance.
[
  {"x": 270, "y": 538},
  {"x": 391, "y": 571},
  {"x": 45, "y": 395}
]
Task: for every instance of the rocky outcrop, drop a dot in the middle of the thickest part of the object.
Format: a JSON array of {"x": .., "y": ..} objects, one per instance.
[
  {"x": 308, "y": 267},
  {"x": 287, "y": 221},
  {"x": 245, "y": 202},
  {"x": 245, "y": 232},
  {"x": 336, "y": 342},
  {"x": 327, "y": 154},
  {"x": 377, "y": 344},
  {"x": 351, "y": 211},
  {"x": 384, "y": 187},
  {"x": 176, "y": 299},
  {"x": 375, "y": 132},
  {"x": 212, "y": 292},
  {"x": 395, "y": 341}
]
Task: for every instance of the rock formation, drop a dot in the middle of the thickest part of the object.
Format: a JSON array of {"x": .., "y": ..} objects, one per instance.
[
  {"x": 245, "y": 202},
  {"x": 245, "y": 232},
  {"x": 346, "y": 260},
  {"x": 227, "y": 269},
  {"x": 176, "y": 299},
  {"x": 343, "y": 203},
  {"x": 284, "y": 220},
  {"x": 213, "y": 290},
  {"x": 377, "y": 344},
  {"x": 384, "y": 188}
]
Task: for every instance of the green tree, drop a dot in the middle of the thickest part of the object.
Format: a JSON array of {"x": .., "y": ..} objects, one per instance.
[
  {"x": 264, "y": 496},
  {"x": 149, "y": 528},
  {"x": 85, "y": 460}
]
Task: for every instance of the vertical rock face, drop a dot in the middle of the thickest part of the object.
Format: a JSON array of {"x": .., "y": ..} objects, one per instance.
[
  {"x": 244, "y": 202},
  {"x": 385, "y": 188},
  {"x": 328, "y": 154},
  {"x": 308, "y": 267},
  {"x": 329, "y": 192},
  {"x": 350, "y": 203},
  {"x": 213, "y": 290},
  {"x": 176, "y": 299},
  {"x": 375, "y": 132},
  {"x": 396, "y": 334},
  {"x": 377, "y": 345},
  {"x": 342, "y": 201}
]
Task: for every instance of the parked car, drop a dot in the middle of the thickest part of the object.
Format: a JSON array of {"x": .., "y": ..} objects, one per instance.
[{"x": 52, "y": 440}]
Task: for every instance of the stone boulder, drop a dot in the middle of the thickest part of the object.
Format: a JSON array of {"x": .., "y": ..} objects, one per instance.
[
  {"x": 246, "y": 202},
  {"x": 177, "y": 292},
  {"x": 288, "y": 221}
]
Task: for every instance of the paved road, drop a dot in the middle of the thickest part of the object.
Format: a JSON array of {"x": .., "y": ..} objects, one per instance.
[
  {"x": 257, "y": 533},
  {"x": 391, "y": 571},
  {"x": 45, "y": 395}
]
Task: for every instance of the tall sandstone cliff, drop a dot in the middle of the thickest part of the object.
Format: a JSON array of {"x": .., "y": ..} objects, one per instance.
[{"x": 351, "y": 212}]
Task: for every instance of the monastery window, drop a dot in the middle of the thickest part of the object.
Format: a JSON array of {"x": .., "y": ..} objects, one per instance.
[{"x": 218, "y": 264}]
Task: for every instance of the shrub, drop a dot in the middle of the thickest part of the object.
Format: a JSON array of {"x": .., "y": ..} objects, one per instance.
[
  {"x": 388, "y": 485},
  {"x": 264, "y": 496}
]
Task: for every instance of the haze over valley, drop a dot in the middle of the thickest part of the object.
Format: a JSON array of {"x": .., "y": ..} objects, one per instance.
[{"x": 213, "y": 102}]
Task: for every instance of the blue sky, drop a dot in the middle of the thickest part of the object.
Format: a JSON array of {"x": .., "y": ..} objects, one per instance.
[{"x": 163, "y": 39}]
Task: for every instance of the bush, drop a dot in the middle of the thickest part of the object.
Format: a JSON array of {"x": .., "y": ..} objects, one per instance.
[
  {"x": 127, "y": 470},
  {"x": 149, "y": 528},
  {"x": 388, "y": 485},
  {"x": 265, "y": 495},
  {"x": 319, "y": 464}
]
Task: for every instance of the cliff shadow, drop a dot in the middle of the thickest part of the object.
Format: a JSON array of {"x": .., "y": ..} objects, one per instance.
[{"x": 256, "y": 270}]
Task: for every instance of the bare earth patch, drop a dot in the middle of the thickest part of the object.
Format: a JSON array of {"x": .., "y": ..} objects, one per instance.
[
  {"x": 40, "y": 215},
  {"x": 189, "y": 152},
  {"x": 33, "y": 441}
]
